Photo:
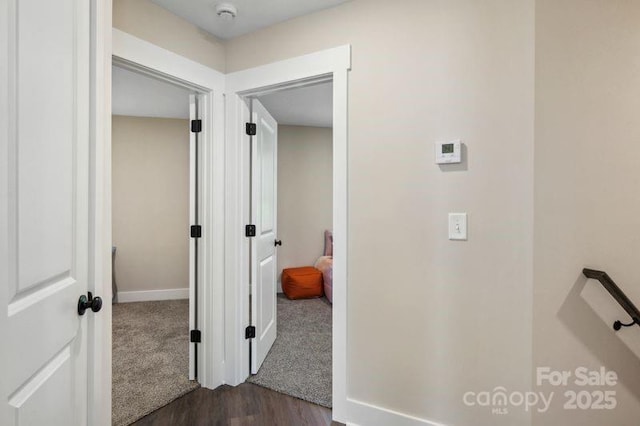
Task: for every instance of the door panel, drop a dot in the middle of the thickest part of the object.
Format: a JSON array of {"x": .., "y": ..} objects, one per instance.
[
  {"x": 33, "y": 404},
  {"x": 44, "y": 218},
  {"x": 266, "y": 159},
  {"x": 264, "y": 194},
  {"x": 44, "y": 170},
  {"x": 265, "y": 307}
]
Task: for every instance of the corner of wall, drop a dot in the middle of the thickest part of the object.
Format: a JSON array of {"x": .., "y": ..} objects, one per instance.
[{"x": 151, "y": 22}]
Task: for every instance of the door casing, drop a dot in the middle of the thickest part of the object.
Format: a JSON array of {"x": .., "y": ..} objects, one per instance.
[
  {"x": 327, "y": 65},
  {"x": 115, "y": 46},
  {"x": 144, "y": 57}
]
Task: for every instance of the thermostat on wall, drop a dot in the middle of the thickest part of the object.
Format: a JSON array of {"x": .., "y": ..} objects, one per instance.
[{"x": 448, "y": 152}]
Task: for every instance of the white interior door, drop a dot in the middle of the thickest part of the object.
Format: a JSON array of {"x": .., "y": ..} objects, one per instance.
[
  {"x": 194, "y": 219},
  {"x": 44, "y": 160},
  {"x": 264, "y": 214}
]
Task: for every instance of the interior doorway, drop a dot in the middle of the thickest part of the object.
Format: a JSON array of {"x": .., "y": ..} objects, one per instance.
[
  {"x": 292, "y": 251},
  {"x": 323, "y": 66},
  {"x": 154, "y": 256}
]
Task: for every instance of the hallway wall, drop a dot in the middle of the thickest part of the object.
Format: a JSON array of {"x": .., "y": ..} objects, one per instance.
[
  {"x": 587, "y": 186},
  {"x": 450, "y": 316}
]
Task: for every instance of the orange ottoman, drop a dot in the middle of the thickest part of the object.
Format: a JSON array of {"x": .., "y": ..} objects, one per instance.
[{"x": 302, "y": 283}]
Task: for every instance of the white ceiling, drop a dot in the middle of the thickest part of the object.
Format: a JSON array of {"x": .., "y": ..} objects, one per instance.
[
  {"x": 252, "y": 14},
  {"x": 305, "y": 106},
  {"x": 138, "y": 95}
]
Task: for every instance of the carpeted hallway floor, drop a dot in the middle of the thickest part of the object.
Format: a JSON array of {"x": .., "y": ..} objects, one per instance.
[
  {"x": 299, "y": 363},
  {"x": 150, "y": 357}
]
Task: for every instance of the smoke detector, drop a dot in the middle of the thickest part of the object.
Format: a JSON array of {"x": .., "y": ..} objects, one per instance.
[{"x": 226, "y": 11}]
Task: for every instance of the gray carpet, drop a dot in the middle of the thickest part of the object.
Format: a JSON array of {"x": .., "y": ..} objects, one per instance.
[
  {"x": 299, "y": 363},
  {"x": 150, "y": 357}
]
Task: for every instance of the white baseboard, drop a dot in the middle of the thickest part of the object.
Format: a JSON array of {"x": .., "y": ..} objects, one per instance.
[
  {"x": 151, "y": 295},
  {"x": 364, "y": 414}
]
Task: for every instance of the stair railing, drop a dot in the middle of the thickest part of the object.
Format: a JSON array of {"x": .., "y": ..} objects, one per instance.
[{"x": 617, "y": 294}]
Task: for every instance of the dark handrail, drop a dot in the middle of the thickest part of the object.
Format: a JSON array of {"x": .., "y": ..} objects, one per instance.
[{"x": 617, "y": 294}]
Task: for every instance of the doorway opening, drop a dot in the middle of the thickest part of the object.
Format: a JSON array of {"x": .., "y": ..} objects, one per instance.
[
  {"x": 155, "y": 194},
  {"x": 291, "y": 255},
  {"x": 331, "y": 65}
]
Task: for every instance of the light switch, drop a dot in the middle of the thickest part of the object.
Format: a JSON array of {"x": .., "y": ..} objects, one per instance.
[{"x": 457, "y": 226}]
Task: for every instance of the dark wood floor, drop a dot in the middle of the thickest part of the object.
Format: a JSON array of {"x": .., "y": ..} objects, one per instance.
[{"x": 246, "y": 404}]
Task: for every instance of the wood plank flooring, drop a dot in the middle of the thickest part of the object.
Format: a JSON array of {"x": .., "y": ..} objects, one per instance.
[{"x": 246, "y": 404}]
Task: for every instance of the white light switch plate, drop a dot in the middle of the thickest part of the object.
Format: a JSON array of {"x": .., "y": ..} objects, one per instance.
[{"x": 457, "y": 226}]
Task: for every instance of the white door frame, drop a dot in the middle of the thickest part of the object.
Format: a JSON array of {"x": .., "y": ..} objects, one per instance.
[
  {"x": 99, "y": 350},
  {"x": 331, "y": 64},
  {"x": 142, "y": 56}
]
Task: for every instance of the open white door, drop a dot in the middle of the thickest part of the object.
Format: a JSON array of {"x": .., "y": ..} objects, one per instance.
[
  {"x": 194, "y": 219},
  {"x": 44, "y": 229},
  {"x": 263, "y": 250}
]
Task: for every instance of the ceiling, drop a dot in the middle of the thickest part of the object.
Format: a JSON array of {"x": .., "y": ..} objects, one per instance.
[
  {"x": 304, "y": 106},
  {"x": 252, "y": 14},
  {"x": 138, "y": 95}
]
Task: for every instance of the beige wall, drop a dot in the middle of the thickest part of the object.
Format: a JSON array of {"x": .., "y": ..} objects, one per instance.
[
  {"x": 305, "y": 205},
  {"x": 150, "y": 169},
  {"x": 587, "y": 190},
  {"x": 430, "y": 319},
  {"x": 148, "y": 21}
]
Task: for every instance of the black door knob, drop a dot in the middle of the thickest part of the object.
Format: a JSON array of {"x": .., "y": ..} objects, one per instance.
[
  {"x": 85, "y": 303},
  {"x": 277, "y": 243}
]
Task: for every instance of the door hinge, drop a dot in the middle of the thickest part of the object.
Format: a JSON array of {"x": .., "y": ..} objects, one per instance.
[
  {"x": 196, "y": 231},
  {"x": 250, "y": 332},
  {"x": 251, "y": 129},
  {"x": 250, "y": 231},
  {"x": 196, "y": 336},
  {"x": 196, "y": 126}
]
